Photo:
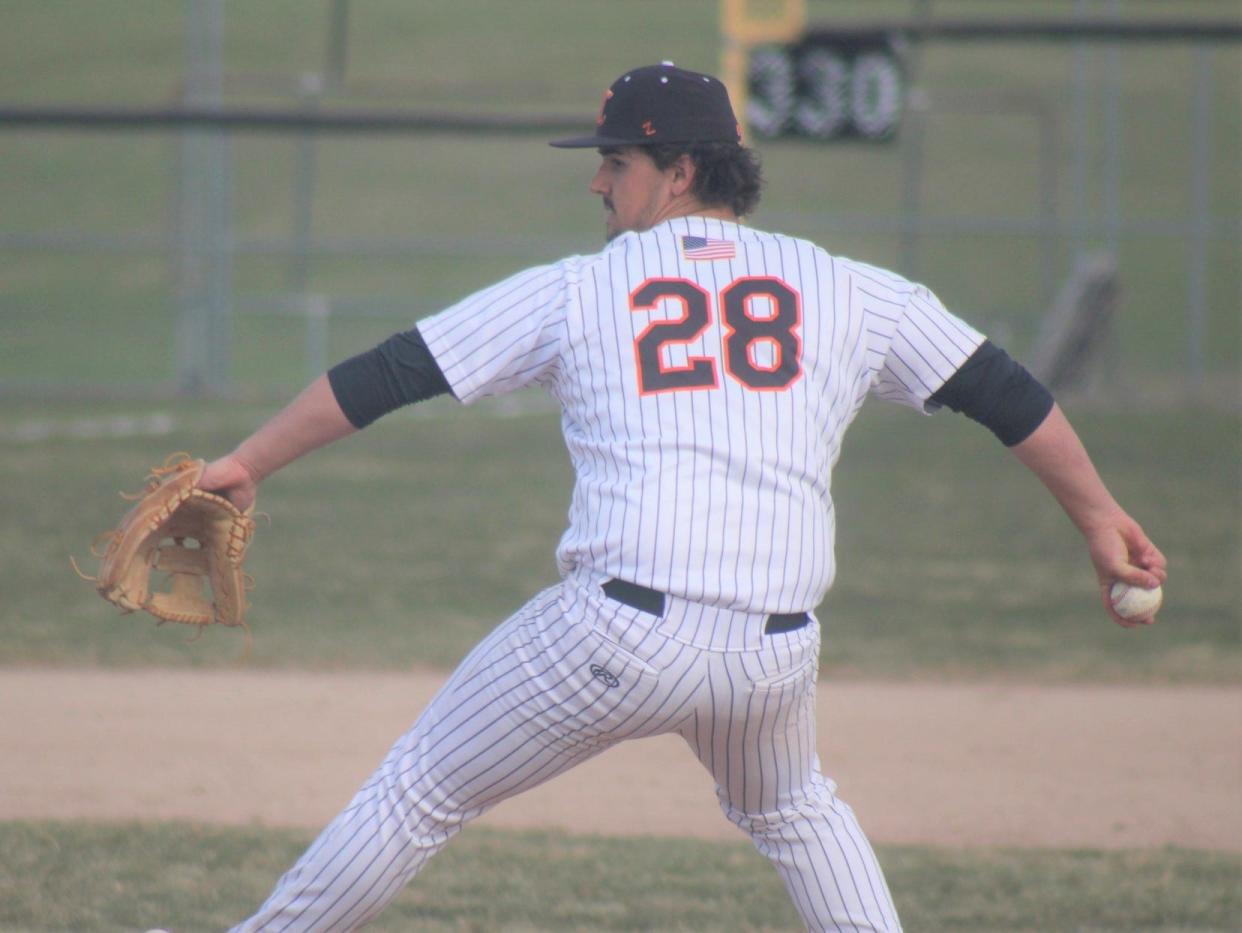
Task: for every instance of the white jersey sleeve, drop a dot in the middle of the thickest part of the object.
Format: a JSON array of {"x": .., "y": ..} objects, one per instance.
[
  {"x": 504, "y": 337},
  {"x": 914, "y": 343}
]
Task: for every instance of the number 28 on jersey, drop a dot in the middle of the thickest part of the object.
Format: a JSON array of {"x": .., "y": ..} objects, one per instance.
[{"x": 760, "y": 348}]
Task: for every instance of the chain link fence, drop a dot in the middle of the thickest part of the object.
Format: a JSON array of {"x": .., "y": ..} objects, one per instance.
[{"x": 146, "y": 251}]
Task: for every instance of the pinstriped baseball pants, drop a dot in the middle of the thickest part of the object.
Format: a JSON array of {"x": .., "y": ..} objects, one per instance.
[{"x": 569, "y": 675}]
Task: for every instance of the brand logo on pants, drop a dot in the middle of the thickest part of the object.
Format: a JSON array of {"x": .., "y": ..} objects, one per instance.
[{"x": 606, "y": 677}]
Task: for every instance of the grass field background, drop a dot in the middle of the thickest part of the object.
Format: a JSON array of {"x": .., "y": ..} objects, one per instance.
[
  {"x": 401, "y": 547},
  {"x": 550, "y": 881},
  {"x": 404, "y": 544}
]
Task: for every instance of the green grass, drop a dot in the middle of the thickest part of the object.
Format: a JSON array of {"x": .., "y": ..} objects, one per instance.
[
  {"x": 403, "y": 545},
  {"x": 952, "y": 554},
  {"x": 82, "y": 877}
]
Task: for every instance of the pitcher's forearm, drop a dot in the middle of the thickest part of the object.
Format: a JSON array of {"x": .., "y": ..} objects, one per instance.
[
  {"x": 1055, "y": 454},
  {"x": 311, "y": 420}
]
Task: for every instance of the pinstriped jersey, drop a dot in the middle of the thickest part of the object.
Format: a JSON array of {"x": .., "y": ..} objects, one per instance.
[{"x": 706, "y": 373}]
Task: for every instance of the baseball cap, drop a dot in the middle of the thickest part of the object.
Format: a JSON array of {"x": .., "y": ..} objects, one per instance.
[{"x": 661, "y": 104}]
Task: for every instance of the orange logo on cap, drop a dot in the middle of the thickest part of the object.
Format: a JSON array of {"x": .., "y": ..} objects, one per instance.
[
  {"x": 648, "y": 129},
  {"x": 599, "y": 121}
]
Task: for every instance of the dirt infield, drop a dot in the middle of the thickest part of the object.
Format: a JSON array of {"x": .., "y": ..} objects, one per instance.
[{"x": 935, "y": 764}]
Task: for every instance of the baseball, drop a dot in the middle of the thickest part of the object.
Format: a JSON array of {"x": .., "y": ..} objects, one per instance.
[{"x": 1134, "y": 602}]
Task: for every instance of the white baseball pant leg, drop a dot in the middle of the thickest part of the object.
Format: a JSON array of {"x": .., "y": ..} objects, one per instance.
[
  {"x": 566, "y": 677},
  {"x": 757, "y": 738}
]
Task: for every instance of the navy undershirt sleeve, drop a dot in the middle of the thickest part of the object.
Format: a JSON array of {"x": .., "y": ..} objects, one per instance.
[
  {"x": 400, "y": 371},
  {"x": 993, "y": 389}
]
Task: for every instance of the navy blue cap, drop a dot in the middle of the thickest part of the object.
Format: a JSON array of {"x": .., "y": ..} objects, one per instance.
[{"x": 661, "y": 104}]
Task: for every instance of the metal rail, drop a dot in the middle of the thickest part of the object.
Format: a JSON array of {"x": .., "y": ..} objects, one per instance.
[
  {"x": 283, "y": 120},
  {"x": 1059, "y": 30}
]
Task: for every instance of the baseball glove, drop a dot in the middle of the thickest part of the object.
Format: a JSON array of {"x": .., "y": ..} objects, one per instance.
[{"x": 197, "y": 538}]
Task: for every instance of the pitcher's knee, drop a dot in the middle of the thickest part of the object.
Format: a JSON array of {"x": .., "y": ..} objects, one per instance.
[
  {"x": 815, "y": 802},
  {"x": 828, "y": 867},
  {"x": 422, "y": 811}
]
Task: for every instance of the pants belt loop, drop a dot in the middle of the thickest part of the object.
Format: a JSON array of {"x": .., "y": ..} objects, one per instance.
[
  {"x": 645, "y": 599},
  {"x": 642, "y": 598},
  {"x": 786, "y": 622}
]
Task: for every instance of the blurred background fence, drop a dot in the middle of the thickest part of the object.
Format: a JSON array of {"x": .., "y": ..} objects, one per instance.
[{"x": 385, "y": 158}]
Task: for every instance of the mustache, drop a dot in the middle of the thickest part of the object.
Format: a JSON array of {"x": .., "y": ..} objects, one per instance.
[{"x": 607, "y": 203}]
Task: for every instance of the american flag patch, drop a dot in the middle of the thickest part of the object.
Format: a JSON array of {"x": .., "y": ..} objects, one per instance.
[{"x": 702, "y": 247}]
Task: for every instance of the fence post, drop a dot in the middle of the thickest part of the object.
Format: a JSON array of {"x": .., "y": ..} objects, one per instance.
[
  {"x": 315, "y": 308},
  {"x": 204, "y": 217},
  {"x": 1201, "y": 217}
]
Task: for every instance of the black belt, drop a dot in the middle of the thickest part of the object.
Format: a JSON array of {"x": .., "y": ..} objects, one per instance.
[{"x": 645, "y": 599}]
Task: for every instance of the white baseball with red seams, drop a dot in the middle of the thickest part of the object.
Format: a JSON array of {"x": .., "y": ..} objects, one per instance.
[
  {"x": 706, "y": 374},
  {"x": 1135, "y": 602}
]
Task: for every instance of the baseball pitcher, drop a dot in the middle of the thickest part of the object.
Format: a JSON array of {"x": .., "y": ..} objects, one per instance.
[{"x": 706, "y": 372}]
